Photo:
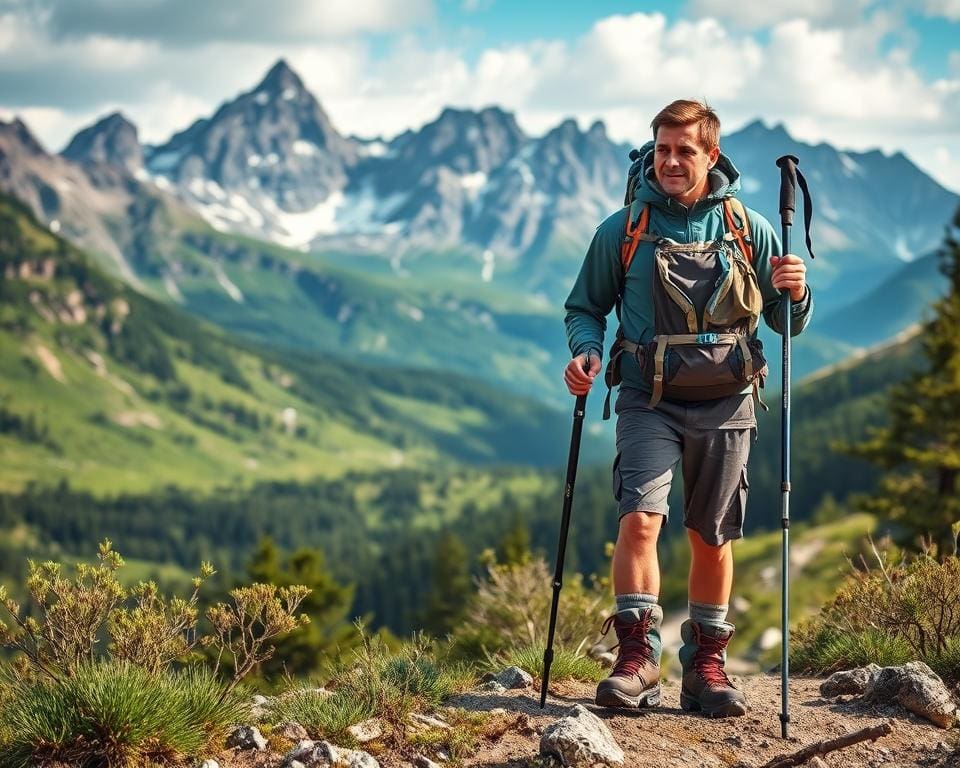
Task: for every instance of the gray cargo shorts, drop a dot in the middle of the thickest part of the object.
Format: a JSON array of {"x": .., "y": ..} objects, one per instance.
[{"x": 712, "y": 438}]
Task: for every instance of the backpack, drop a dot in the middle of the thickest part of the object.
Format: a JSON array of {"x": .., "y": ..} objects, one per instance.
[{"x": 704, "y": 346}]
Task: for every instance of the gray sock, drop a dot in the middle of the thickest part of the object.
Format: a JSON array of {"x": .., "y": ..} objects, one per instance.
[
  {"x": 706, "y": 613},
  {"x": 634, "y": 602}
]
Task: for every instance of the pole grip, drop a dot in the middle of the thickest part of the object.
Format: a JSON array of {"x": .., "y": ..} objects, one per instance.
[{"x": 788, "y": 188}]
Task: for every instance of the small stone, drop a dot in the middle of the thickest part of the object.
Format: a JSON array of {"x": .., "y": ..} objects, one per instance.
[
  {"x": 291, "y": 731},
  {"x": 366, "y": 731},
  {"x": 424, "y": 762},
  {"x": 734, "y": 740},
  {"x": 850, "y": 681},
  {"x": 421, "y": 721},
  {"x": 498, "y": 711},
  {"x": 514, "y": 677},
  {"x": 441, "y": 755},
  {"x": 209, "y": 764},
  {"x": 247, "y": 737},
  {"x": 581, "y": 739},
  {"x": 764, "y": 743},
  {"x": 816, "y": 762},
  {"x": 597, "y": 651},
  {"x": 493, "y": 686},
  {"x": 607, "y": 659},
  {"x": 358, "y": 759}
]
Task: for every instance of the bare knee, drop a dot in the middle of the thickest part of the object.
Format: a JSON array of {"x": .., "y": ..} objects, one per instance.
[
  {"x": 640, "y": 530},
  {"x": 703, "y": 552}
]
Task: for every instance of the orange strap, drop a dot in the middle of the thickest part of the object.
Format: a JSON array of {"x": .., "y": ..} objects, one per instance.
[
  {"x": 740, "y": 234},
  {"x": 632, "y": 237}
]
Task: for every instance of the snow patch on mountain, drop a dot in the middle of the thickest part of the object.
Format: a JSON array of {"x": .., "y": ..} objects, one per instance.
[{"x": 227, "y": 284}]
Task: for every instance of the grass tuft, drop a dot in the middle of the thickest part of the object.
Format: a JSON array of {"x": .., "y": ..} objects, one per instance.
[
  {"x": 566, "y": 665},
  {"x": 115, "y": 714}
]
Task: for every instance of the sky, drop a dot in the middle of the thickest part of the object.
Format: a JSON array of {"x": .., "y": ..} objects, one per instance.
[{"x": 859, "y": 74}]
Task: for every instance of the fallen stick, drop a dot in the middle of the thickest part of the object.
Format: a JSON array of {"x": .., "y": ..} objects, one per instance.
[{"x": 823, "y": 747}]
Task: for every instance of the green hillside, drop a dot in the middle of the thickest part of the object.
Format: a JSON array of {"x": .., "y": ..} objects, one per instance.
[
  {"x": 430, "y": 309},
  {"x": 113, "y": 392}
]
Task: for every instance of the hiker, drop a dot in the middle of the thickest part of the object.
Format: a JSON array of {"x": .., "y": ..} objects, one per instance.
[{"x": 690, "y": 271}]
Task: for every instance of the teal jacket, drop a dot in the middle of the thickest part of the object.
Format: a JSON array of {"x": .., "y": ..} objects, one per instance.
[{"x": 595, "y": 291}]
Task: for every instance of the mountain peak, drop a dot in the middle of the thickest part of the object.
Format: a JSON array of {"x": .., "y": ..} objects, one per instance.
[
  {"x": 280, "y": 78},
  {"x": 112, "y": 140},
  {"x": 21, "y": 133}
]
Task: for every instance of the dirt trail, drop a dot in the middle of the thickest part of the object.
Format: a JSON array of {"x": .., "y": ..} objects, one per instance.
[{"x": 667, "y": 737}]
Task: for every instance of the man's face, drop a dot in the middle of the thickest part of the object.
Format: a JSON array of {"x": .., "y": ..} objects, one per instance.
[{"x": 681, "y": 164}]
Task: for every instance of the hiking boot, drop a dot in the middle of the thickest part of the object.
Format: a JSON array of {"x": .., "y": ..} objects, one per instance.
[
  {"x": 635, "y": 679},
  {"x": 706, "y": 687}
]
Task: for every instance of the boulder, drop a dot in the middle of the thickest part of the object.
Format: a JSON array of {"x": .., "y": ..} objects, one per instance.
[
  {"x": 581, "y": 739},
  {"x": 917, "y": 688},
  {"x": 323, "y": 754},
  {"x": 514, "y": 677},
  {"x": 850, "y": 681},
  {"x": 246, "y": 737}
]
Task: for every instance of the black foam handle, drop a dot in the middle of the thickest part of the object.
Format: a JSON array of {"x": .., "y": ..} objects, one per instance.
[{"x": 788, "y": 187}]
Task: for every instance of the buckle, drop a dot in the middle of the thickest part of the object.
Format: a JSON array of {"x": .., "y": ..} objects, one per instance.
[{"x": 706, "y": 338}]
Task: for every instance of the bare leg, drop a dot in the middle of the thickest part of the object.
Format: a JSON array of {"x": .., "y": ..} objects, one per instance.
[
  {"x": 711, "y": 571},
  {"x": 635, "y": 564}
]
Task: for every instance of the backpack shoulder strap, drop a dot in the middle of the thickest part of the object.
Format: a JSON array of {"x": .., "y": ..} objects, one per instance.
[
  {"x": 632, "y": 236},
  {"x": 738, "y": 225}
]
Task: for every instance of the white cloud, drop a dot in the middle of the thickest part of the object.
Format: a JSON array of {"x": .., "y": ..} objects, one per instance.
[
  {"x": 842, "y": 84},
  {"x": 749, "y": 13},
  {"x": 948, "y": 9}
]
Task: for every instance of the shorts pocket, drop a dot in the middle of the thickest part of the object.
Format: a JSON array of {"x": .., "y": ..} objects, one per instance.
[
  {"x": 617, "y": 479},
  {"x": 742, "y": 494}
]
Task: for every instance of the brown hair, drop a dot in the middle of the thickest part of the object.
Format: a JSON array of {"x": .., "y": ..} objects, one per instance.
[{"x": 683, "y": 112}]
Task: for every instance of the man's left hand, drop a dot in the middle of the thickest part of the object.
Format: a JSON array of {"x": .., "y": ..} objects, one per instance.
[{"x": 790, "y": 274}]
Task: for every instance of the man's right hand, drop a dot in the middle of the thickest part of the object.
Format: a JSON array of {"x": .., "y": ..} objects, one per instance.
[{"x": 578, "y": 376}]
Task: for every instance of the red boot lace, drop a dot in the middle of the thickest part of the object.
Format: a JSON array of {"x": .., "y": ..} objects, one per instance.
[
  {"x": 708, "y": 661},
  {"x": 635, "y": 648}
]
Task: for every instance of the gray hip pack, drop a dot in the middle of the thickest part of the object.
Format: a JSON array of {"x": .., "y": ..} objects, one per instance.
[{"x": 707, "y": 305}]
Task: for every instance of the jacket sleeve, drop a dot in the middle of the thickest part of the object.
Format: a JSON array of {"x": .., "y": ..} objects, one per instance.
[
  {"x": 767, "y": 244},
  {"x": 595, "y": 291}
]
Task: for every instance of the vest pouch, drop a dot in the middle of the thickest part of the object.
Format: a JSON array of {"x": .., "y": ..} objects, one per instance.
[{"x": 702, "y": 370}]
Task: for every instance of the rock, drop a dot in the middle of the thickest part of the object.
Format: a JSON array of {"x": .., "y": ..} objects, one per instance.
[
  {"x": 357, "y": 759},
  {"x": 917, "y": 688},
  {"x": 607, "y": 659},
  {"x": 259, "y": 701},
  {"x": 514, "y": 677},
  {"x": 291, "y": 731},
  {"x": 424, "y": 762},
  {"x": 366, "y": 731},
  {"x": 734, "y": 740},
  {"x": 422, "y": 722},
  {"x": 816, "y": 762},
  {"x": 849, "y": 681},
  {"x": 492, "y": 686},
  {"x": 581, "y": 739},
  {"x": 209, "y": 764},
  {"x": 247, "y": 737},
  {"x": 323, "y": 754}
]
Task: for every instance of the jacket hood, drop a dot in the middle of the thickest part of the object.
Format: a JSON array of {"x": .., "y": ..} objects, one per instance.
[{"x": 724, "y": 182}]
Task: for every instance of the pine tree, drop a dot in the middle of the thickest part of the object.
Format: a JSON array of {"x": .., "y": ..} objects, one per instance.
[
  {"x": 920, "y": 447},
  {"x": 451, "y": 587},
  {"x": 514, "y": 546},
  {"x": 328, "y": 633}
]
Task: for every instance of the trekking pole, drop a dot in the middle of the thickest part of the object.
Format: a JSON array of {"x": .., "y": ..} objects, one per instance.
[
  {"x": 788, "y": 193},
  {"x": 578, "y": 410}
]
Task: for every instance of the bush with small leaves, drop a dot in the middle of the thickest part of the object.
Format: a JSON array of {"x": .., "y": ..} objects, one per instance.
[{"x": 887, "y": 614}]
